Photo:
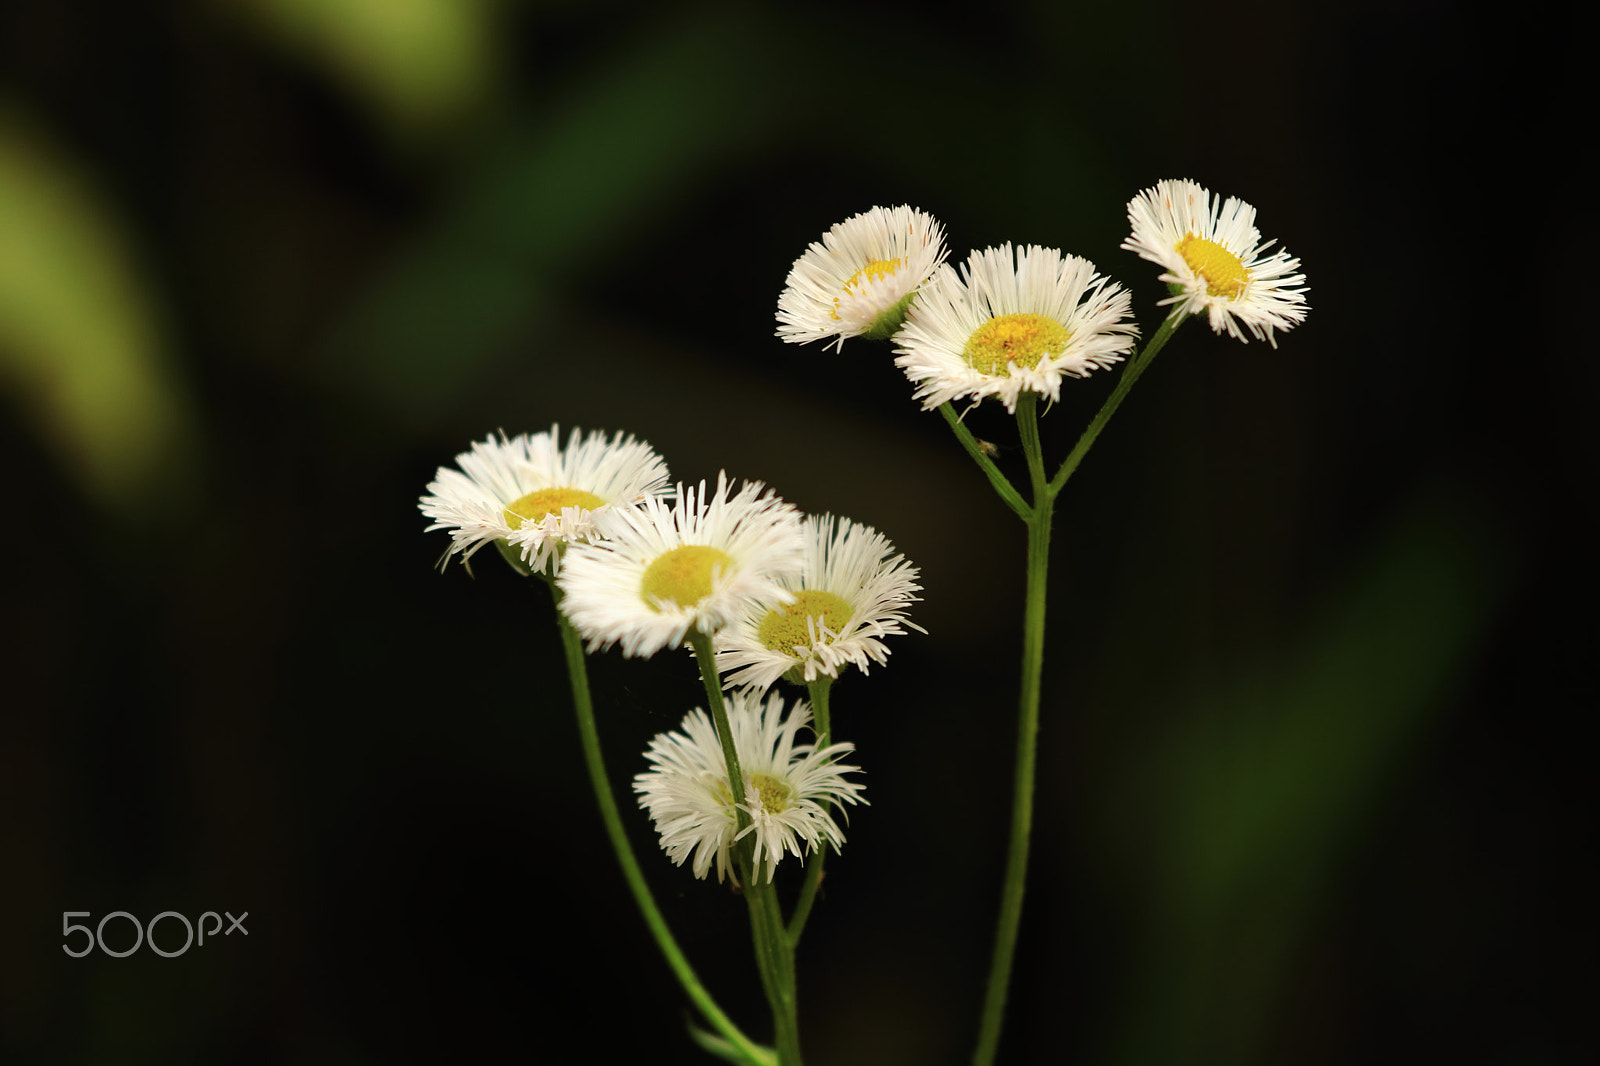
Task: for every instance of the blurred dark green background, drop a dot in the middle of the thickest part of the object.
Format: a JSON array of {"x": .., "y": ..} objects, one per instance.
[{"x": 1310, "y": 785}]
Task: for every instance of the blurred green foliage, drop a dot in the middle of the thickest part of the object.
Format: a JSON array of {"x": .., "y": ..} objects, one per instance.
[
  {"x": 419, "y": 65},
  {"x": 560, "y": 196},
  {"x": 1254, "y": 801},
  {"x": 81, "y": 341}
]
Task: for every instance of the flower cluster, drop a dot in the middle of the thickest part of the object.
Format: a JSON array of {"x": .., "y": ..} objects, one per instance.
[
  {"x": 645, "y": 567},
  {"x": 736, "y": 571},
  {"x": 762, "y": 593},
  {"x": 1018, "y": 321}
]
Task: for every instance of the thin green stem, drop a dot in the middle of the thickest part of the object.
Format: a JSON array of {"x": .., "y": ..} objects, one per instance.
[
  {"x": 736, "y": 786},
  {"x": 766, "y": 926},
  {"x": 818, "y": 690},
  {"x": 1125, "y": 383},
  {"x": 577, "y": 671},
  {"x": 1013, "y": 499},
  {"x": 1005, "y": 939},
  {"x": 707, "y": 660},
  {"x": 1039, "y": 518},
  {"x": 1028, "y": 428},
  {"x": 774, "y": 956}
]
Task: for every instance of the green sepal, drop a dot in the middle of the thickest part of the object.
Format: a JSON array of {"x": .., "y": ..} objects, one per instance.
[
  {"x": 513, "y": 557},
  {"x": 888, "y": 324}
]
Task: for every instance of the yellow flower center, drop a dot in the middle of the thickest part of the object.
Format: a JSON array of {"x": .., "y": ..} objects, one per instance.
[
  {"x": 878, "y": 268},
  {"x": 1224, "y": 272},
  {"x": 1023, "y": 339},
  {"x": 785, "y": 627},
  {"x": 540, "y": 502},
  {"x": 773, "y": 792},
  {"x": 682, "y": 575}
]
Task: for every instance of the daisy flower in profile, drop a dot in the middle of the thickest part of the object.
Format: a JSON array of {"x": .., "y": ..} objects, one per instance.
[
  {"x": 537, "y": 496},
  {"x": 1215, "y": 260},
  {"x": 857, "y": 281},
  {"x": 852, "y": 592},
  {"x": 1003, "y": 327},
  {"x": 786, "y": 790},
  {"x": 698, "y": 563}
]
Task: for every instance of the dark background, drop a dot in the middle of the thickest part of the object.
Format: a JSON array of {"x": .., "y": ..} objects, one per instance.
[{"x": 1311, "y": 784}]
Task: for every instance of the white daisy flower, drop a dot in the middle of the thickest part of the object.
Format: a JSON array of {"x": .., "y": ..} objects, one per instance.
[
  {"x": 851, "y": 594},
  {"x": 536, "y": 495},
  {"x": 1216, "y": 261},
  {"x": 858, "y": 280},
  {"x": 999, "y": 329},
  {"x": 787, "y": 787},
  {"x": 699, "y": 562}
]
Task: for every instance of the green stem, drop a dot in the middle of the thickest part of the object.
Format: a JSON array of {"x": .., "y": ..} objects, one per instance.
[
  {"x": 1125, "y": 385},
  {"x": 1012, "y": 498},
  {"x": 766, "y": 926},
  {"x": 577, "y": 671},
  {"x": 1039, "y": 518},
  {"x": 1005, "y": 939},
  {"x": 818, "y": 690},
  {"x": 774, "y": 956}
]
